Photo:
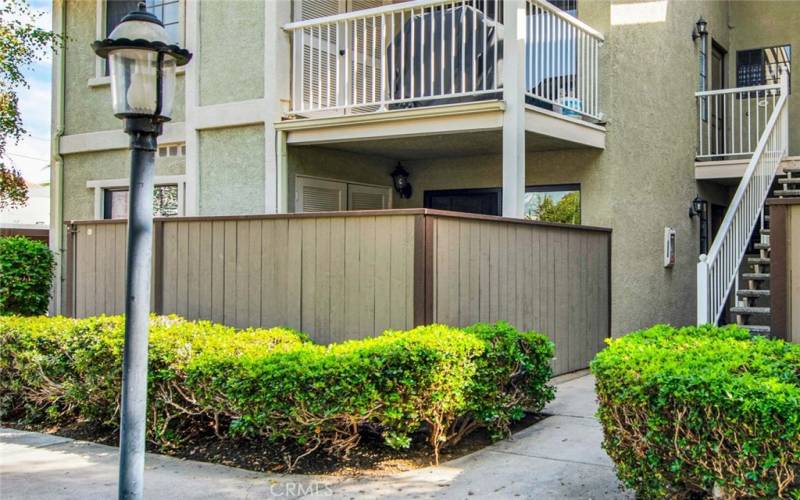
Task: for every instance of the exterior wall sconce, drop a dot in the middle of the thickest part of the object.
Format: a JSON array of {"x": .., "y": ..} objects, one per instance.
[
  {"x": 701, "y": 29},
  {"x": 699, "y": 208},
  {"x": 142, "y": 65},
  {"x": 400, "y": 180}
]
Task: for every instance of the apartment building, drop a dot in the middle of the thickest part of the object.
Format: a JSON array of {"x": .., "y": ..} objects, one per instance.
[{"x": 633, "y": 108}]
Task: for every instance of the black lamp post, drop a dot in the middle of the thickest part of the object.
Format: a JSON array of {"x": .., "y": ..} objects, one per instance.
[
  {"x": 142, "y": 66},
  {"x": 700, "y": 208},
  {"x": 400, "y": 180}
]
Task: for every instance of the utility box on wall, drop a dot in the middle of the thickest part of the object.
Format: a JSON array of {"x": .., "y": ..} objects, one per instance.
[{"x": 669, "y": 247}]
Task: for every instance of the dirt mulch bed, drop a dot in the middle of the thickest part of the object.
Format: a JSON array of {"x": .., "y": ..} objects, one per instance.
[{"x": 371, "y": 457}]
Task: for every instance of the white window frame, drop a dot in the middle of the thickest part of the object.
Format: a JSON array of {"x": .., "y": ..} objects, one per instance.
[
  {"x": 101, "y": 185},
  {"x": 327, "y": 182},
  {"x": 100, "y": 78}
]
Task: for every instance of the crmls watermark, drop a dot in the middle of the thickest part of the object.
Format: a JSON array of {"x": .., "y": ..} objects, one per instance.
[{"x": 292, "y": 489}]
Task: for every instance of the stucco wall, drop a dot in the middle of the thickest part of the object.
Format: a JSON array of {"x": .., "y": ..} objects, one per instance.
[
  {"x": 231, "y": 52},
  {"x": 231, "y": 171},
  {"x": 83, "y": 167}
]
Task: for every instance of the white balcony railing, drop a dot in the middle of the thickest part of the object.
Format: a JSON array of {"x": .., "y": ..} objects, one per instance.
[
  {"x": 731, "y": 121},
  {"x": 427, "y": 52},
  {"x": 561, "y": 60},
  {"x": 396, "y": 56}
]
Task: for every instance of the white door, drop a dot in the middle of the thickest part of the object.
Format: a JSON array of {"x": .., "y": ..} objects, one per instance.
[
  {"x": 319, "y": 195},
  {"x": 361, "y": 197}
]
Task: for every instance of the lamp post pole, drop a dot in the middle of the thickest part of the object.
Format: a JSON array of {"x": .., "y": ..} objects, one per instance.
[
  {"x": 143, "y": 133},
  {"x": 142, "y": 62}
]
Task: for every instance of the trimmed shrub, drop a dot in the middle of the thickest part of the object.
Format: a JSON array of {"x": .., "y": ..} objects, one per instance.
[
  {"x": 701, "y": 410},
  {"x": 275, "y": 384},
  {"x": 61, "y": 369},
  {"x": 26, "y": 274}
]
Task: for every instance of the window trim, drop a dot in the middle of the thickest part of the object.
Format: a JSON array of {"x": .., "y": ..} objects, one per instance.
[
  {"x": 100, "y": 79},
  {"x": 101, "y": 185}
]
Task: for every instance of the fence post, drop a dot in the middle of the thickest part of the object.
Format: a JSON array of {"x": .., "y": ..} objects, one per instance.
[
  {"x": 157, "y": 291},
  {"x": 703, "y": 316}
]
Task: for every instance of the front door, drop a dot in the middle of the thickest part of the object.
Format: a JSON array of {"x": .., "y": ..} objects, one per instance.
[
  {"x": 717, "y": 106},
  {"x": 475, "y": 201}
]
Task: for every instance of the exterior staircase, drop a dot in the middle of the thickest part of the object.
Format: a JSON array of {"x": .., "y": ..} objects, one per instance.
[{"x": 752, "y": 303}]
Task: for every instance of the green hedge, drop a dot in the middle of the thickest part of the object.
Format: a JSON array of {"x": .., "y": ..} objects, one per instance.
[
  {"x": 702, "y": 411},
  {"x": 26, "y": 273},
  {"x": 275, "y": 383}
]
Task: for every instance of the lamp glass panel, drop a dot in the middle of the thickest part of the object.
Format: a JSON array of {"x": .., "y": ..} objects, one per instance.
[{"x": 133, "y": 82}]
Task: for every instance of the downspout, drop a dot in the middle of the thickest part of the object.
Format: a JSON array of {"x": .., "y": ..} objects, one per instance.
[{"x": 57, "y": 162}]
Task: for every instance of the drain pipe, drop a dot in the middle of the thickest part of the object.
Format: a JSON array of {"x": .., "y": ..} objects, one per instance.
[{"x": 56, "y": 238}]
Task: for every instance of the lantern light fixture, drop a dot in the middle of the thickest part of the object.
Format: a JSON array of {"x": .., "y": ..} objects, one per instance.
[
  {"x": 142, "y": 65},
  {"x": 701, "y": 29},
  {"x": 400, "y": 181}
]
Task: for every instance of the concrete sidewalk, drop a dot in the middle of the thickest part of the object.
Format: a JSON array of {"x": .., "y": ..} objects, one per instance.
[{"x": 559, "y": 457}]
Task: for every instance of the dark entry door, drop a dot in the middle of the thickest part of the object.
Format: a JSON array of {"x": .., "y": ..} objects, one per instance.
[{"x": 475, "y": 201}]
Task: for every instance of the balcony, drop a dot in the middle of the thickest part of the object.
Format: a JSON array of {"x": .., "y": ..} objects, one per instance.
[
  {"x": 730, "y": 123},
  {"x": 425, "y": 67}
]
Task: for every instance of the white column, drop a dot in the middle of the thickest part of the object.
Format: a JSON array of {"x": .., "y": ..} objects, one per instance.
[{"x": 514, "y": 115}]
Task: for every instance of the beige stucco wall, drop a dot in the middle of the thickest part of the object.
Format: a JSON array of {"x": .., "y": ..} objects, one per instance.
[
  {"x": 231, "y": 52},
  {"x": 231, "y": 171},
  {"x": 102, "y": 165}
]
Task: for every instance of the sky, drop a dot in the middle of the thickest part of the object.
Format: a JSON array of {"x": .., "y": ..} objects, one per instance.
[{"x": 31, "y": 155}]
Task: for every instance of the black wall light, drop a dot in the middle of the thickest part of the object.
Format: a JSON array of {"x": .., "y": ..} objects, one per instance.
[
  {"x": 699, "y": 208},
  {"x": 400, "y": 180},
  {"x": 701, "y": 29}
]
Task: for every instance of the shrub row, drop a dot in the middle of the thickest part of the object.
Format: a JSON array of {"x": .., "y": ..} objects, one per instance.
[
  {"x": 26, "y": 273},
  {"x": 275, "y": 383},
  {"x": 702, "y": 411}
]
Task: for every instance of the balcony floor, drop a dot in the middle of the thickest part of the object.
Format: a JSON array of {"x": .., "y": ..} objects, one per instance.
[{"x": 464, "y": 129}]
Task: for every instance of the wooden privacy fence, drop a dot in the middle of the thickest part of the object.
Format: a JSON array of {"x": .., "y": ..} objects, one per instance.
[{"x": 347, "y": 275}]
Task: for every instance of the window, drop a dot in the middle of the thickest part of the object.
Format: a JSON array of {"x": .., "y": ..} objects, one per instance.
[
  {"x": 556, "y": 203},
  {"x": 762, "y": 66},
  {"x": 165, "y": 202},
  {"x": 168, "y": 11},
  {"x": 171, "y": 150}
]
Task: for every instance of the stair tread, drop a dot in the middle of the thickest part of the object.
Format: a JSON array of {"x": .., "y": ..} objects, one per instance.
[
  {"x": 752, "y": 293},
  {"x": 758, "y": 260},
  {"x": 755, "y": 276},
  {"x": 757, "y": 328},
  {"x": 788, "y": 180},
  {"x": 750, "y": 310},
  {"x": 762, "y": 246},
  {"x": 788, "y": 192},
  {"x": 766, "y": 231}
]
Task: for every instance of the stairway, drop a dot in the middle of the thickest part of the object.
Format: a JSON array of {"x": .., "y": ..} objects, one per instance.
[{"x": 751, "y": 306}]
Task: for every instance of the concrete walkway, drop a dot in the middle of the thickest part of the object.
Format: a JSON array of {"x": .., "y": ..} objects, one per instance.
[{"x": 559, "y": 457}]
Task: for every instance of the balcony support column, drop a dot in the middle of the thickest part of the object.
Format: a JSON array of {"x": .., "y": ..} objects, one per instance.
[{"x": 514, "y": 115}]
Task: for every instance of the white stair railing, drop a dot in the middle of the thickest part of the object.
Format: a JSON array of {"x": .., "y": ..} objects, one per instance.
[{"x": 719, "y": 269}]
